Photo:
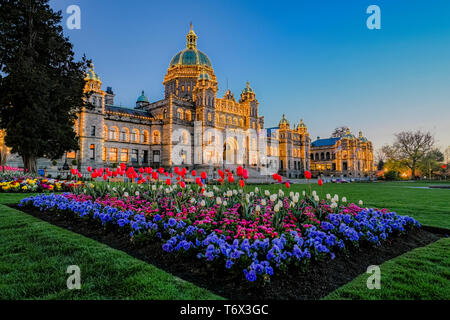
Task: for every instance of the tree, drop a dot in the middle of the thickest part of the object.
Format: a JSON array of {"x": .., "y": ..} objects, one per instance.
[
  {"x": 410, "y": 147},
  {"x": 380, "y": 165},
  {"x": 41, "y": 85},
  {"x": 431, "y": 162},
  {"x": 339, "y": 132}
]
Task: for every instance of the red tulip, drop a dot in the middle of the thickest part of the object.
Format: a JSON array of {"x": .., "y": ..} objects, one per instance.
[
  {"x": 241, "y": 183},
  {"x": 239, "y": 171},
  {"x": 105, "y": 177},
  {"x": 155, "y": 175},
  {"x": 220, "y": 180},
  {"x": 161, "y": 170},
  {"x": 221, "y": 174},
  {"x": 89, "y": 169},
  {"x": 183, "y": 172},
  {"x": 444, "y": 166},
  {"x": 230, "y": 179},
  {"x": 168, "y": 182},
  {"x": 93, "y": 175},
  {"x": 198, "y": 180},
  {"x": 203, "y": 175},
  {"x": 288, "y": 185},
  {"x": 307, "y": 175},
  {"x": 194, "y": 173},
  {"x": 182, "y": 184},
  {"x": 141, "y": 170},
  {"x": 320, "y": 182}
]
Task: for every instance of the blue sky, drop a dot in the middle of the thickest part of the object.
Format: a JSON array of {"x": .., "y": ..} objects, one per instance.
[{"x": 314, "y": 60}]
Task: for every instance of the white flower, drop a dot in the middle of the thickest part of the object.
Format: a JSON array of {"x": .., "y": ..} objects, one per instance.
[
  {"x": 235, "y": 192},
  {"x": 316, "y": 198},
  {"x": 114, "y": 189},
  {"x": 280, "y": 203},
  {"x": 256, "y": 190},
  {"x": 360, "y": 203},
  {"x": 225, "y": 203},
  {"x": 328, "y": 196},
  {"x": 333, "y": 205},
  {"x": 276, "y": 208},
  {"x": 295, "y": 199},
  {"x": 252, "y": 194},
  {"x": 304, "y": 193},
  {"x": 203, "y": 203},
  {"x": 267, "y": 193},
  {"x": 292, "y": 204},
  {"x": 291, "y": 194},
  {"x": 153, "y": 188},
  {"x": 344, "y": 199},
  {"x": 229, "y": 193},
  {"x": 314, "y": 193},
  {"x": 219, "y": 200},
  {"x": 336, "y": 197},
  {"x": 263, "y": 202},
  {"x": 297, "y": 195},
  {"x": 273, "y": 197},
  {"x": 257, "y": 208},
  {"x": 280, "y": 193},
  {"x": 193, "y": 200}
]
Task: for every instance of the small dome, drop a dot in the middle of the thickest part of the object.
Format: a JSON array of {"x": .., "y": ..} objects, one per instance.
[
  {"x": 142, "y": 98},
  {"x": 348, "y": 135},
  {"x": 301, "y": 124},
  {"x": 284, "y": 120},
  {"x": 247, "y": 88},
  {"x": 362, "y": 138},
  {"x": 91, "y": 75}
]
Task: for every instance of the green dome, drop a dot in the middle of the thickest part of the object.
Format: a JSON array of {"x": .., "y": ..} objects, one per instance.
[
  {"x": 190, "y": 57},
  {"x": 247, "y": 89},
  {"x": 301, "y": 124},
  {"x": 142, "y": 98},
  {"x": 91, "y": 75},
  {"x": 284, "y": 120},
  {"x": 348, "y": 135}
]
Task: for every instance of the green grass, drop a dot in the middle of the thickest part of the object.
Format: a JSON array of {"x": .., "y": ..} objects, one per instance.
[
  {"x": 34, "y": 256},
  {"x": 429, "y": 206},
  {"x": 423, "y": 273}
]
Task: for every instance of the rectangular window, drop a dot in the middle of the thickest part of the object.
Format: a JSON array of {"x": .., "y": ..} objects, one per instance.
[
  {"x": 113, "y": 154},
  {"x": 92, "y": 131},
  {"x": 134, "y": 155},
  {"x": 124, "y": 155},
  {"x": 71, "y": 155},
  {"x": 144, "y": 157},
  {"x": 104, "y": 154},
  {"x": 92, "y": 151}
]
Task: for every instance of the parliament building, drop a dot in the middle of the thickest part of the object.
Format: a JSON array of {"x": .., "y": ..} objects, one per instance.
[{"x": 193, "y": 127}]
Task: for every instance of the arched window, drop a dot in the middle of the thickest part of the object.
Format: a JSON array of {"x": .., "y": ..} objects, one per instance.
[
  {"x": 317, "y": 157},
  {"x": 223, "y": 119},
  {"x": 156, "y": 137},
  {"x": 209, "y": 116},
  {"x": 328, "y": 156},
  {"x": 124, "y": 134},
  {"x": 114, "y": 133},
  {"x": 144, "y": 136},
  {"x": 188, "y": 115},
  {"x": 295, "y": 152},
  {"x": 165, "y": 114},
  {"x": 180, "y": 114},
  {"x": 312, "y": 156},
  {"x": 241, "y": 122},
  {"x": 230, "y": 120},
  {"x": 235, "y": 121},
  {"x": 135, "y": 136}
]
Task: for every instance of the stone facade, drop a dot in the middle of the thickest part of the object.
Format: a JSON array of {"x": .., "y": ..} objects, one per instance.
[{"x": 192, "y": 127}]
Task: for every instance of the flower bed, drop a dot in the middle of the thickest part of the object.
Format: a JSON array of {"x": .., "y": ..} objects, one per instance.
[
  {"x": 26, "y": 184},
  {"x": 251, "y": 233}
]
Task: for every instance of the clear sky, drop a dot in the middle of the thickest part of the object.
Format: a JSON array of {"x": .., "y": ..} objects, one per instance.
[{"x": 315, "y": 60}]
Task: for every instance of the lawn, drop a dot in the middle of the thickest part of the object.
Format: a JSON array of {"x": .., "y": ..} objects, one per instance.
[
  {"x": 429, "y": 206},
  {"x": 34, "y": 255}
]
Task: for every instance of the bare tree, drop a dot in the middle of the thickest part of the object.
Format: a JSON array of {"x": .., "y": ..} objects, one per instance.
[
  {"x": 410, "y": 147},
  {"x": 339, "y": 132}
]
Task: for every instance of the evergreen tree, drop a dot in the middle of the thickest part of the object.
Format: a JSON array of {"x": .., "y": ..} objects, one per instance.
[{"x": 41, "y": 84}]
